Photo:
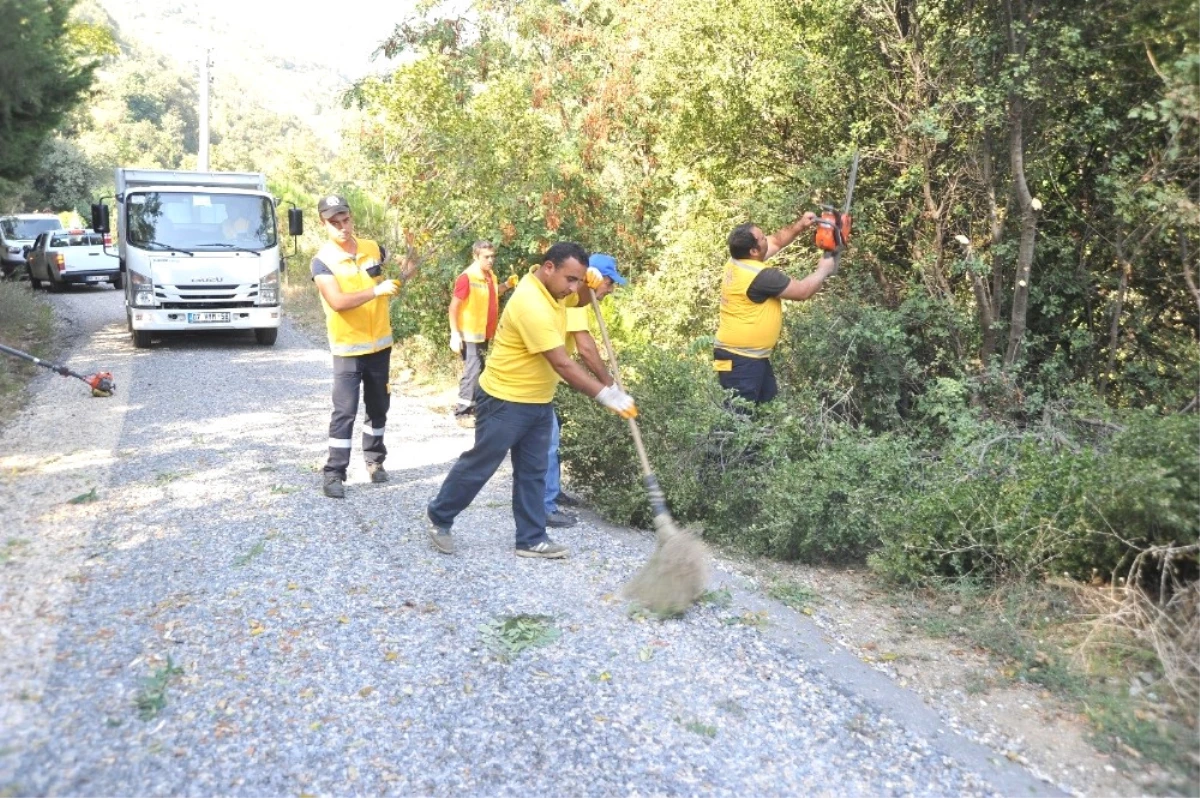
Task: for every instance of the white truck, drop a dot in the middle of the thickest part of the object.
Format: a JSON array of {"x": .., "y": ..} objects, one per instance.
[{"x": 199, "y": 251}]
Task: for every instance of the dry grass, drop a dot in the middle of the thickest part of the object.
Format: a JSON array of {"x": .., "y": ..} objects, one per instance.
[
  {"x": 1166, "y": 623},
  {"x": 26, "y": 323},
  {"x": 302, "y": 306}
]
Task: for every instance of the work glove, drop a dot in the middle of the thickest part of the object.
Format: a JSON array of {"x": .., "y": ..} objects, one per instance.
[
  {"x": 512, "y": 281},
  {"x": 455, "y": 341},
  {"x": 617, "y": 401},
  {"x": 594, "y": 278},
  {"x": 387, "y": 288}
]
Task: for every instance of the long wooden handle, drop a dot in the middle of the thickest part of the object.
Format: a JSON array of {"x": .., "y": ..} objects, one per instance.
[{"x": 612, "y": 356}]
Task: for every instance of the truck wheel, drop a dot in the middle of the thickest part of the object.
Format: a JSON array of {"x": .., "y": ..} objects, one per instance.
[
  {"x": 53, "y": 285},
  {"x": 141, "y": 339},
  {"x": 118, "y": 282},
  {"x": 34, "y": 283},
  {"x": 266, "y": 335}
]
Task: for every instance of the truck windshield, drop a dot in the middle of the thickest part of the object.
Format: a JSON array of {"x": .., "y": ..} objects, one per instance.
[
  {"x": 201, "y": 221},
  {"x": 27, "y": 229}
]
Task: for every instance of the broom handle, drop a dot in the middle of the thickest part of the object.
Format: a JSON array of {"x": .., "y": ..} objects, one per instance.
[{"x": 612, "y": 355}]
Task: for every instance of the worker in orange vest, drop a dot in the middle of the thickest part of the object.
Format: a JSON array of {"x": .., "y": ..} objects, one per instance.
[{"x": 474, "y": 309}]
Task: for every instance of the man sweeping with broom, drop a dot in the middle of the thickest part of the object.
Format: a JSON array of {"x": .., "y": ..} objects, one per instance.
[{"x": 514, "y": 403}]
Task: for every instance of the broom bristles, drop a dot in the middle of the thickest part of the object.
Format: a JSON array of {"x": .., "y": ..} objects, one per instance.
[{"x": 675, "y": 575}]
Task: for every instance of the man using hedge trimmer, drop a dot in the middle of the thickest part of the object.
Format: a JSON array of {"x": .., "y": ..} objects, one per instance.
[{"x": 751, "y": 306}]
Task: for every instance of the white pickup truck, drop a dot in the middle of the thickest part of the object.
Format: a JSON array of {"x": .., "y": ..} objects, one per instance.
[{"x": 60, "y": 257}]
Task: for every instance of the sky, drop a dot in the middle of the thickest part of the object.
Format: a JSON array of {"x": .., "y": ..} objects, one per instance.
[{"x": 340, "y": 35}]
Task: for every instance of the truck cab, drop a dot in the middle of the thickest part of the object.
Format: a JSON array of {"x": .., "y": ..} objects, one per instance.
[{"x": 199, "y": 250}]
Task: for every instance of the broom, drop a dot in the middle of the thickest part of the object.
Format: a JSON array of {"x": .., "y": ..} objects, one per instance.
[{"x": 677, "y": 573}]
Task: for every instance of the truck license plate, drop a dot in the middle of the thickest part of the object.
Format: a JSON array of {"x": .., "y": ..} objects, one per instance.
[
  {"x": 94, "y": 279},
  {"x": 207, "y": 318}
]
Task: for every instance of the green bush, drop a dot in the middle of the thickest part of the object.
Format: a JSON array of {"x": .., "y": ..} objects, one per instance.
[
  {"x": 774, "y": 482},
  {"x": 1025, "y": 504}
]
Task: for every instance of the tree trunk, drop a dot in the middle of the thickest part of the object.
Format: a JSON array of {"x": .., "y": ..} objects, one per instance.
[
  {"x": 1114, "y": 327},
  {"x": 1188, "y": 277},
  {"x": 1016, "y": 154}
]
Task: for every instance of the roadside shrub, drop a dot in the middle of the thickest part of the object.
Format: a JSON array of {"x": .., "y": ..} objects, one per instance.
[
  {"x": 817, "y": 500},
  {"x": 777, "y": 481},
  {"x": 1026, "y": 504}
]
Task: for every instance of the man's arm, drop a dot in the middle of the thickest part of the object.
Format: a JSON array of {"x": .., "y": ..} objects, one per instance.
[
  {"x": 327, "y": 284},
  {"x": 455, "y": 304},
  {"x": 572, "y": 373},
  {"x": 585, "y": 344},
  {"x": 798, "y": 290},
  {"x": 788, "y": 233}
]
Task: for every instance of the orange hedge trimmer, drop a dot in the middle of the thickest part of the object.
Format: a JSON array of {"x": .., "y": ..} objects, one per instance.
[
  {"x": 101, "y": 382},
  {"x": 833, "y": 228}
]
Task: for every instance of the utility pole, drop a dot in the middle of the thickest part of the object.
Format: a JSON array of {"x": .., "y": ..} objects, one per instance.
[{"x": 202, "y": 156}]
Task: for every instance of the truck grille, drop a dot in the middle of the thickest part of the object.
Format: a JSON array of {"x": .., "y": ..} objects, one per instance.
[{"x": 206, "y": 296}]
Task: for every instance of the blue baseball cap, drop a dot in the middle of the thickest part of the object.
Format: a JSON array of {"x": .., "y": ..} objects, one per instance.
[{"x": 607, "y": 266}]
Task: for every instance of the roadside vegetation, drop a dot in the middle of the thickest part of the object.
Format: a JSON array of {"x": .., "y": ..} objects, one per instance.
[
  {"x": 993, "y": 406},
  {"x": 27, "y": 324}
]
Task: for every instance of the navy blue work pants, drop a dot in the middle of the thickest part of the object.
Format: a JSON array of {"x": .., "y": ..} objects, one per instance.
[
  {"x": 370, "y": 373},
  {"x": 751, "y": 378},
  {"x": 502, "y": 427}
]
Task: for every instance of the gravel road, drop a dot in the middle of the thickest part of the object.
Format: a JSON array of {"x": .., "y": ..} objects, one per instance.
[{"x": 319, "y": 647}]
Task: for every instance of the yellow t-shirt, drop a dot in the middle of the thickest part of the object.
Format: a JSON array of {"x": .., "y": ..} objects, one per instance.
[
  {"x": 577, "y": 321},
  {"x": 533, "y": 322}
]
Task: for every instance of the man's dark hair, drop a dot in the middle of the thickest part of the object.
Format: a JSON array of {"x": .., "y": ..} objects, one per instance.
[
  {"x": 564, "y": 251},
  {"x": 479, "y": 246},
  {"x": 742, "y": 240}
]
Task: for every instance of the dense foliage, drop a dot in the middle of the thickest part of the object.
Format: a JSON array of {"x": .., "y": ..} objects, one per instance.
[
  {"x": 46, "y": 65},
  {"x": 1022, "y": 266}
]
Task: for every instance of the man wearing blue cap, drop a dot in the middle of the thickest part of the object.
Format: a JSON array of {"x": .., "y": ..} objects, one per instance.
[{"x": 602, "y": 277}]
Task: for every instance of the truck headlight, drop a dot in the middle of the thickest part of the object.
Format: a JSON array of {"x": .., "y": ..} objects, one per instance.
[
  {"x": 143, "y": 290},
  {"x": 268, "y": 288}
]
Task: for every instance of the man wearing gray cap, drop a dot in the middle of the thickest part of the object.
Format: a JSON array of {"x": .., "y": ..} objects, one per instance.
[{"x": 348, "y": 272}]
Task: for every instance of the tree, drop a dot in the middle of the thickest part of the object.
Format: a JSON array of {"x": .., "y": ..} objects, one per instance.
[{"x": 44, "y": 73}]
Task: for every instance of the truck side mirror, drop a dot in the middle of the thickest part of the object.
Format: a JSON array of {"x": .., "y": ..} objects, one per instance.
[
  {"x": 100, "y": 217},
  {"x": 295, "y": 221}
]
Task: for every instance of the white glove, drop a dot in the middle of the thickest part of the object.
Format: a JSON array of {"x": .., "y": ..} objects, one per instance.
[
  {"x": 617, "y": 401},
  {"x": 455, "y": 342},
  {"x": 387, "y": 288}
]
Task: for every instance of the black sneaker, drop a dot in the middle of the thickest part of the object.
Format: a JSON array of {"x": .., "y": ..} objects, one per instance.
[
  {"x": 568, "y": 500},
  {"x": 547, "y": 549},
  {"x": 441, "y": 539},
  {"x": 331, "y": 486},
  {"x": 377, "y": 473},
  {"x": 560, "y": 520}
]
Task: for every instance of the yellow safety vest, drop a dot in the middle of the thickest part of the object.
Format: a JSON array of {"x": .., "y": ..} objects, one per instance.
[
  {"x": 367, "y": 328},
  {"x": 473, "y": 312},
  {"x": 750, "y": 329}
]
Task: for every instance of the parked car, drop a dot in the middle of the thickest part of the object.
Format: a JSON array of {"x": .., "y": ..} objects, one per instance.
[
  {"x": 17, "y": 233},
  {"x": 71, "y": 256}
]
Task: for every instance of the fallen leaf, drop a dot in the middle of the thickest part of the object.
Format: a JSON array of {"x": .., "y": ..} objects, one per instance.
[
  {"x": 343, "y": 619},
  {"x": 889, "y": 656},
  {"x": 366, "y": 691},
  {"x": 391, "y": 656}
]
